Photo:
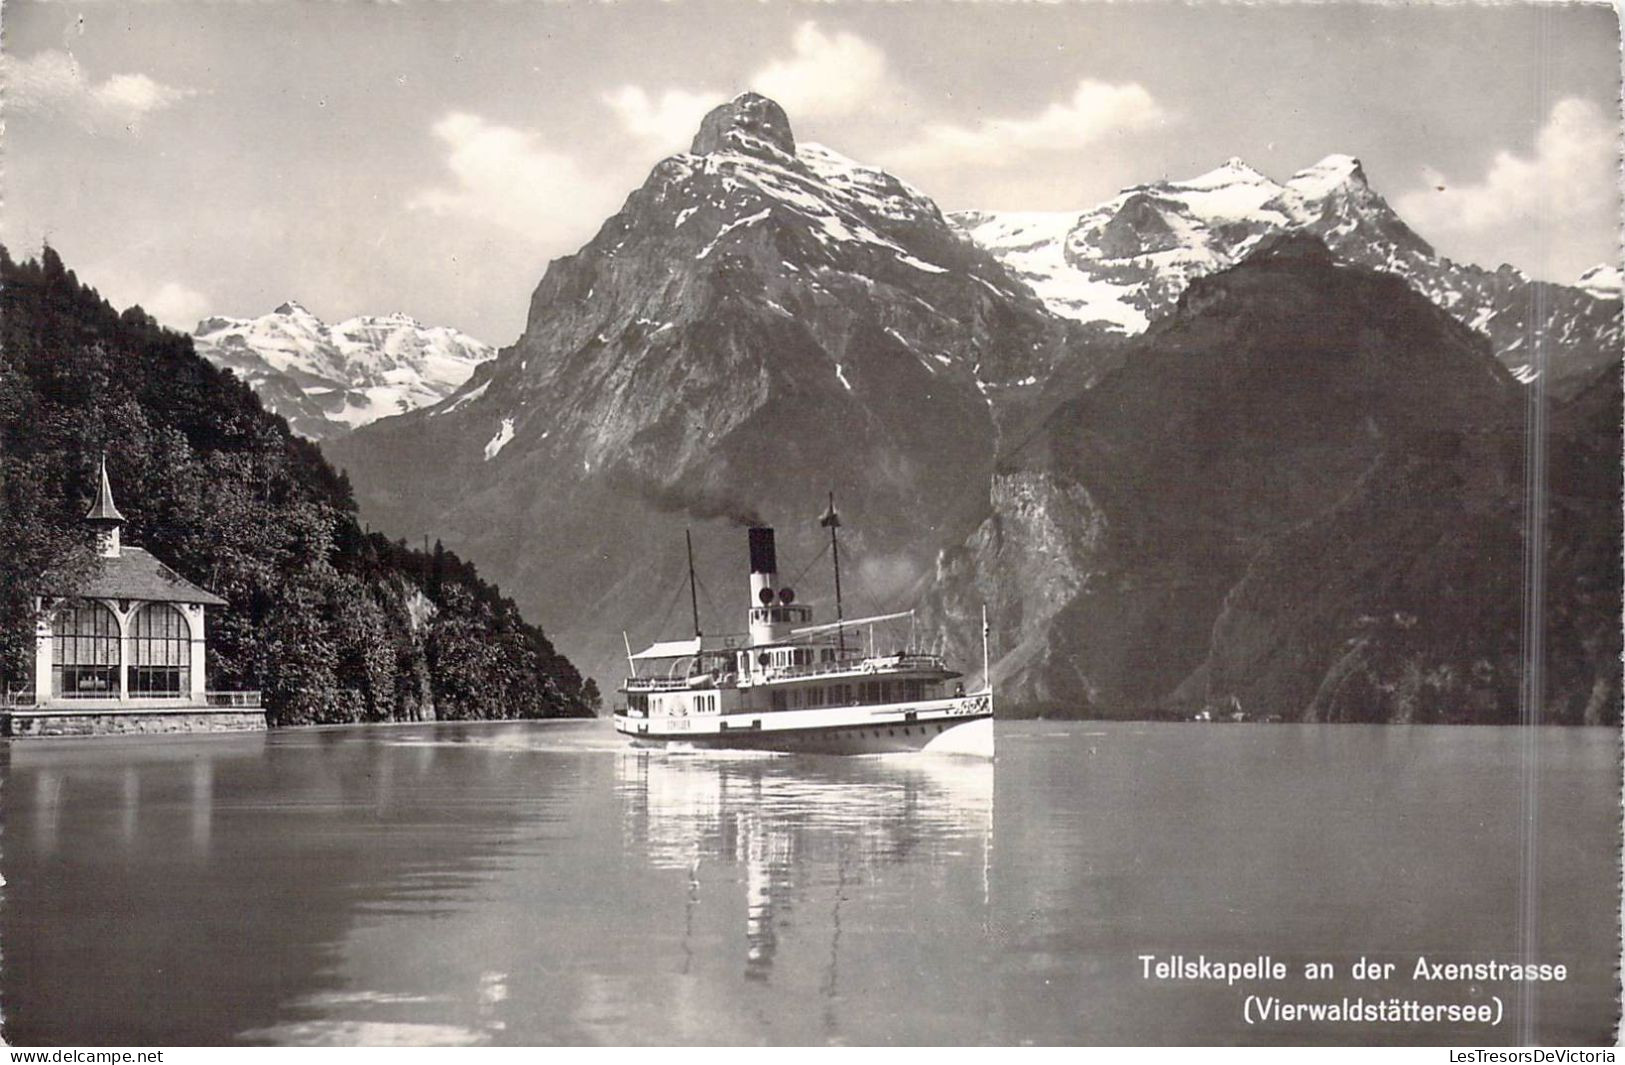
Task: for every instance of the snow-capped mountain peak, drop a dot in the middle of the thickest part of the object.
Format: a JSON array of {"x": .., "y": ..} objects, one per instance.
[
  {"x": 1122, "y": 264},
  {"x": 327, "y": 380},
  {"x": 1331, "y": 172},
  {"x": 1232, "y": 171},
  {"x": 295, "y": 309},
  {"x": 763, "y": 317},
  {"x": 749, "y": 122}
]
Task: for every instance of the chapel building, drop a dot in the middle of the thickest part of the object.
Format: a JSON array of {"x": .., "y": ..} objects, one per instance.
[{"x": 125, "y": 650}]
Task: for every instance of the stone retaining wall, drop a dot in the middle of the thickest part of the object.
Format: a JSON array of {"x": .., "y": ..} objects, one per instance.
[{"x": 24, "y": 724}]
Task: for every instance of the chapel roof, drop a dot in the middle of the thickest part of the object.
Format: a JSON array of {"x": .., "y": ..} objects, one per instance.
[{"x": 136, "y": 574}]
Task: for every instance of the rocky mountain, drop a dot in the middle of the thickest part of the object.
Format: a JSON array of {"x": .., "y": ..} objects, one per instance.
[
  {"x": 328, "y": 379},
  {"x": 1301, "y": 494},
  {"x": 761, "y": 323},
  {"x": 1122, "y": 264},
  {"x": 1218, "y": 464}
]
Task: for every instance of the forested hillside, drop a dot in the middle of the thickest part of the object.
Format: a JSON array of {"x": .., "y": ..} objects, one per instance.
[{"x": 332, "y": 623}]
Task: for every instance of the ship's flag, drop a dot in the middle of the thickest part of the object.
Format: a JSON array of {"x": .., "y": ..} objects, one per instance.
[{"x": 830, "y": 520}]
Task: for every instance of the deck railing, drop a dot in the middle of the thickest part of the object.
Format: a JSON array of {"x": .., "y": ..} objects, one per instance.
[
  {"x": 852, "y": 666},
  {"x": 858, "y": 666},
  {"x": 661, "y": 684}
]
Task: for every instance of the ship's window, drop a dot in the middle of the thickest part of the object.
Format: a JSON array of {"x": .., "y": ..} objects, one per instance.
[{"x": 776, "y": 700}]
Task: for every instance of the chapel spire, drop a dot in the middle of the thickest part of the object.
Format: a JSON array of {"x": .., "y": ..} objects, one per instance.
[{"x": 104, "y": 517}]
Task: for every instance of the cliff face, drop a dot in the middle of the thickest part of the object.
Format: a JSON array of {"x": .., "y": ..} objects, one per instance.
[{"x": 1300, "y": 495}]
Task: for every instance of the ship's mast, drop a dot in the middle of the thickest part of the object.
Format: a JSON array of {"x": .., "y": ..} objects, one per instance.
[
  {"x": 693, "y": 598},
  {"x": 833, "y": 521}
]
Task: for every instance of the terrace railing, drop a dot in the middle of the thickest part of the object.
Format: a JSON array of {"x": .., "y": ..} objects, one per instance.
[
  {"x": 248, "y": 700},
  {"x": 238, "y": 700}
]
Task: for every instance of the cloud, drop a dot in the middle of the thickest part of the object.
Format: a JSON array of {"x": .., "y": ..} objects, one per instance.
[
  {"x": 668, "y": 121},
  {"x": 1095, "y": 111},
  {"x": 177, "y": 306},
  {"x": 827, "y": 76},
  {"x": 1569, "y": 178},
  {"x": 52, "y": 81},
  {"x": 126, "y": 281},
  {"x": 508, "y": 178}
]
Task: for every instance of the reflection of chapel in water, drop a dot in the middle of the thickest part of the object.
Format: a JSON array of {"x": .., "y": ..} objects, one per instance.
[{"x": 776, "y": 822}]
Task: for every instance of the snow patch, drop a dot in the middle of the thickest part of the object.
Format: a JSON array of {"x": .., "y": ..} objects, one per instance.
[
  {"x": 930, "y": 268},
  {"x": 731, "y": 226},
  {"x": 461, "y": 401},
  {"x": 499, "y": 441}
]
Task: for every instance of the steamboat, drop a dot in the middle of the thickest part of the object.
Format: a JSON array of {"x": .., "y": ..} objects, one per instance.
[{"x": 789, "y": 685}]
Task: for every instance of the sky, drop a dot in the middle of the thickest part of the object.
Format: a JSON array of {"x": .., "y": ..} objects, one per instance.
[{"x": 432, "y": 158}]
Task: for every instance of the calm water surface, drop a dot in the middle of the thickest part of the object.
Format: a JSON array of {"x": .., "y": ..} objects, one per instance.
[{"x": 541, "y": 883}]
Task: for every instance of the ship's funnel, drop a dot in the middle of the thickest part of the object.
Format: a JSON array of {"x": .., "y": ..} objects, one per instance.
[
  {"x": 763, "y": 556},
  {"x": 767, "y": 623}
]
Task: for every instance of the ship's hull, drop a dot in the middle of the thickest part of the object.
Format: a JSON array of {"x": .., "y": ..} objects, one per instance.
[{"x": 962, "y": 725}]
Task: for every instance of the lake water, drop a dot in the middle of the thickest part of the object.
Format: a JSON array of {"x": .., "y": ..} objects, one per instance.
[{"x": 542, "y": 883}]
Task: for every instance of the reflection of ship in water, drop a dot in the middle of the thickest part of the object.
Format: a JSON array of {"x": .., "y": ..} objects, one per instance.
[{"x": 800, "y": 834}]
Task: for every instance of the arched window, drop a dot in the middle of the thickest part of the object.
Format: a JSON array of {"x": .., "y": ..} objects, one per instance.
[
  {"x": 84, "y": 651},
  {"x": 161, "y": 649}
]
